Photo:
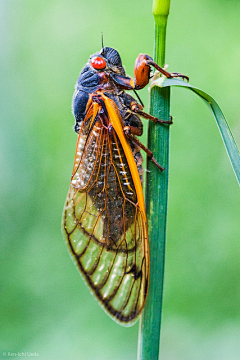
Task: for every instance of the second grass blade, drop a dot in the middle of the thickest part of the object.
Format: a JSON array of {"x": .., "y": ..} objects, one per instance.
[{"x": 221, "y": 121}]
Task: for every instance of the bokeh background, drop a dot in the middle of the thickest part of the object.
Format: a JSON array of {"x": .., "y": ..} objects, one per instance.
[{"x": 45, "y": 307}]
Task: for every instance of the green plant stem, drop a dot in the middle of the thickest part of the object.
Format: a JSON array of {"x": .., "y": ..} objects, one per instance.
[{"x": 156, "y": 205}]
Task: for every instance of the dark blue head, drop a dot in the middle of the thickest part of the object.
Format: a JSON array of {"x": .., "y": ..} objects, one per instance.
[{"x": 107, "y": 60}]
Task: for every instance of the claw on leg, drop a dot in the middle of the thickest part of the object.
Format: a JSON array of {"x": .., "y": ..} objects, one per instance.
[
  {"x": 166, "y": 73},
  {"x": 173, "y": 75}
]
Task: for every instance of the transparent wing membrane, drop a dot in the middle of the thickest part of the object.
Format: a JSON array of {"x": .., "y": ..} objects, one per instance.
[{"x": 104, "y": 226}]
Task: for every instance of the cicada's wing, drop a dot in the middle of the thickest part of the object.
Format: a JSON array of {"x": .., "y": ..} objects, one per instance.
[{"x": 103, "y": 223}]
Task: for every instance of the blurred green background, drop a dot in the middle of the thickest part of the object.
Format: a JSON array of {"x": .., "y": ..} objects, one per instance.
[{"x": 45, "y": 306}]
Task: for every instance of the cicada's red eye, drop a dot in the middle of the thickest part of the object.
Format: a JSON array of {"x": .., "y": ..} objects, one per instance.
[{"x": 98, "y": 63}]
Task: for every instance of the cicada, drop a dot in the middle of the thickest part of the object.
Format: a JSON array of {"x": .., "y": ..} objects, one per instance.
[{"x": 104, "y": 219}]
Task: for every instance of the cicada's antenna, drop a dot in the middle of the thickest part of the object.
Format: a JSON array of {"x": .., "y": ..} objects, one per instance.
[{"x": 102, "y": 51}]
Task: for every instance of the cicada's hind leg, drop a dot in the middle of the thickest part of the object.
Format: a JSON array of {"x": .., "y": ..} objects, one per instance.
[{"x": 129, "y": 131}]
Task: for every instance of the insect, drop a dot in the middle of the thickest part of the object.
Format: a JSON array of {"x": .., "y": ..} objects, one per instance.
[{"x": 104, "y": 219}]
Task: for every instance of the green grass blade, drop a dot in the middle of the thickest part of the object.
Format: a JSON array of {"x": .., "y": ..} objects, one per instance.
[
  {"x": 156, "y": 199},
  {"x": 222, "y": 123}
]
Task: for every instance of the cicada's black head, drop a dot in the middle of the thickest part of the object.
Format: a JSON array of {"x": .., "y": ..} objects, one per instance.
[
  {"x": 112, "y": 56},
  {"x": 107, "y": 60}
]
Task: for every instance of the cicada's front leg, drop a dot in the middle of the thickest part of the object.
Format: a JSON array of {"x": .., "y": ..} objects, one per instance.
[{"x": 142, "y": 71}]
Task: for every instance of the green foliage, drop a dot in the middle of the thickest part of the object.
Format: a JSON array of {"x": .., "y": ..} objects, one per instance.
[
  {"x": 225, "y": 131},
  {"x": 45, "y": 306}
]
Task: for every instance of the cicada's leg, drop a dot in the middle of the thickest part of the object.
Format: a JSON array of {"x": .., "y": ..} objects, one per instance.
[
  {"x": 142, "y": 71},
  {"x": 166, "y": 73},
  {"x": 129, "y": 131},
  {"x": 132, "y": 130},
  {"x": 137, "y": 108},
  {"x": 153, "y": 118}
]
